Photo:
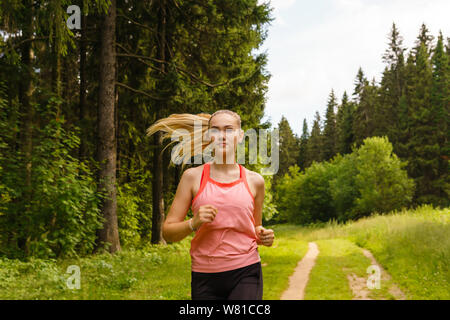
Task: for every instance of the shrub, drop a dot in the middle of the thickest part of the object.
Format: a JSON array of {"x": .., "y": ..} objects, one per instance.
[{"x": 60, "y": 214}]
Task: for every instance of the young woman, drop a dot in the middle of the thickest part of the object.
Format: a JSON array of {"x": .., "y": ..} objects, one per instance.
[{"x": 226, "y": 200}]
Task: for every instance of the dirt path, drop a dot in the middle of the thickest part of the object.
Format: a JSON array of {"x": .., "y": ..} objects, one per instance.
[
  {"x": 358, "y": 285},
  {"x": 394, "y": 290},
  {"x": 300, "y": 277}
]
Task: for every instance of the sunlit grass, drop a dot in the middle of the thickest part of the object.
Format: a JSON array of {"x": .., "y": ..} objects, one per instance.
[{"x": 413, "y": 246}]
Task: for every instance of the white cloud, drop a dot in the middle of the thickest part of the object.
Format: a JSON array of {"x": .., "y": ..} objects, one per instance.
[
  {"x": 320, "y": 45},
  {"x": 278, "y": 7}
]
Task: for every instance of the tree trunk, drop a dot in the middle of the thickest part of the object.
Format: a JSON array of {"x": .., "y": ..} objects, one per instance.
[
  {"x": 157, "y": 188},
  {"x": 83, "y": 109},
  {"x": 27, "y": 110},
  {"x": 157, "y": 185},
  {"x": 107, "y": 144}
]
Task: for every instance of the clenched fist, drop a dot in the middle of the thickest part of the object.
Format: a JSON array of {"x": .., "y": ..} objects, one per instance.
[
  {"x": 265, "y": 236},
  {"x": 206, "y": 213}
]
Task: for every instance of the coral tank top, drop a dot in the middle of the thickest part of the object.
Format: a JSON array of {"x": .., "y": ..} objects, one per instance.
[{"x": 229, "y": 242}]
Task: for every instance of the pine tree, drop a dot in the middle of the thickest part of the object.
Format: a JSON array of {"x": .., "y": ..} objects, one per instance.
[
  {"x": 344, "y": 123},
  {"x": 302, "y": 158},
  {"x": 440, "y": 103},
  {"x": 360, "y": 83},
  {"x": 314, "y": 146},
  {"x": 107, "y": 151},
  {"x": 365, "y": 94},
  {"x": 402, "y": 146},
  {"x": 391, "y": 89},
  {"x": 424, "y": 157},
  {"x": 329, "y": 131},
  {"x": 289, "y": 149},
  {"x": 424, "y": 39}
]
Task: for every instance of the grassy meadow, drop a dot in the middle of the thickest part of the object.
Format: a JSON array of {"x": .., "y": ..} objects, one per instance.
[{"x": 413, "y": 246}]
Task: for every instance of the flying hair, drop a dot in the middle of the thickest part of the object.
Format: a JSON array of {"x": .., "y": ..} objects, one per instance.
[{"x": 182, "y": 125}]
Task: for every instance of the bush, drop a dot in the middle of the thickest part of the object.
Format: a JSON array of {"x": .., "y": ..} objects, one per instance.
[
  {"x": 288, "y": 200},
  {"x": 60, "y": 214},
  {"x": 128, "y": 216},
  {"x": 381, "y": 181},
  {"x": 370, "y": 179},
  {"x": 343, "y": 187}
]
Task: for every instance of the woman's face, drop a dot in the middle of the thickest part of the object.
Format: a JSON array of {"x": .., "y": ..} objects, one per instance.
[{"x": 225, "y": 132}]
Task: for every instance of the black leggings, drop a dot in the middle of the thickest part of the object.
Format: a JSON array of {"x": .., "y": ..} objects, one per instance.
[{"x": 245, "y": 283}]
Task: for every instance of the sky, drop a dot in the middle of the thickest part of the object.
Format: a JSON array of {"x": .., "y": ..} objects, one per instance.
[{"x": 315, "y": 46}]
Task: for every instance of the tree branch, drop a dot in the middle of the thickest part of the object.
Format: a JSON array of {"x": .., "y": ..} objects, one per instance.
[
  {"x": 135, "y": 22},
  {"x": 139, "y": 91}
]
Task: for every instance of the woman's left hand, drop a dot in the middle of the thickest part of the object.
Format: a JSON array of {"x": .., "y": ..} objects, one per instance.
[{"x": 265, "y": 236}]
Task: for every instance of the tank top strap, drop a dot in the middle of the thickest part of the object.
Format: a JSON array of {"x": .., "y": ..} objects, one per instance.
[
  {"x": 203, "y": 180},
  {"x": 206, "y": 170},
  {"x": 244, "y": 178},
  {"x": 205, "y": 176}
]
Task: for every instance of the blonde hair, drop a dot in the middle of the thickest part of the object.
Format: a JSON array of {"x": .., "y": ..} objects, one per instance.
[{"x": 178, "y": 121}]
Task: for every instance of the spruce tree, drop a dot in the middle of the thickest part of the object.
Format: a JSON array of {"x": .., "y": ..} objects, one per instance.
[
  {"x": 365, "y": 96},
  {"x": 344, "y": 126},
  {"x": 391, "y": 89},
  {"x": 440, "y": 103},
  {"x": 314, "y": 146},
  {"x": 329, "y": 131},
  {"x": 302, "y": 156},
  {"x": 289, "y": 149},
  {"x": 424, "y": 156},
  {"x": 424, "y": 38}
]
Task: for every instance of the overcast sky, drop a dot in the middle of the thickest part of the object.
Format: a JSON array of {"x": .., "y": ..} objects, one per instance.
[{"x": 314, "y": 46}]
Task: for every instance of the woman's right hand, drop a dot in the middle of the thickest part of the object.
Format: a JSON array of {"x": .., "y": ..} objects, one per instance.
[{"x": 206, "y": 213}]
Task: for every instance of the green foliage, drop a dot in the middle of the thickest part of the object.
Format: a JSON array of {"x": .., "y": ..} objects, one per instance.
[
  {"x": 269, "y": 211},
  {"x": 412, "y": 245},
  {"x": 129, "y": 216},
  {"x": 153, "y": 272},
  {"x": 288, "y": 148},
  {"x": 381, "y": 181},
  {"x": 370, "y": 179},
  {"x": 5, "y": 134},
  {"x": 288, "y": 200},
  {"x": 314, "y": 193},
  {"x": 62, "y": 216},
  {"x": 343, "y": 187},
  {"x": 329, "y": 130}
]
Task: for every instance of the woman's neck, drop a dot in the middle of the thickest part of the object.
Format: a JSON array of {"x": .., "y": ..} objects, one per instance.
[{"x": 226, "y": 168}]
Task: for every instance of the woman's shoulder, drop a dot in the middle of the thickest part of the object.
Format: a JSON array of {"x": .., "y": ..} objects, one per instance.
[
  {"x": 194, "y": 172},
  {"x": 254, "y": 177}
]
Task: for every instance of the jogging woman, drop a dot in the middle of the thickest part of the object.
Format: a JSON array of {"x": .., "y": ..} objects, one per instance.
[{"x": 226, "y": 200}]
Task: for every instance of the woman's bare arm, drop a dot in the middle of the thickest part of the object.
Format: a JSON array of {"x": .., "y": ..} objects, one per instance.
[
  {"x": 259, "y": 198},
  {"x": 175, "y": 228},
  {"x": 265, "y": 236}
]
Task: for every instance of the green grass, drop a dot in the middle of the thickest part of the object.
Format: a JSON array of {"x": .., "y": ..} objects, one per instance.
[
  {"x": 280, "y": 260},
  {"x": 327, "y": 280},
  {"x": 413, "y": 246},
  {"x": 156, "y": 272},
  {"x": 337, "y": 259}
]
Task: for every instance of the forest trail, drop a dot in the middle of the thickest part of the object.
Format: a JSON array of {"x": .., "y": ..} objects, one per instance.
[
  {"x": 358, "y": 285},
  {"x": 300, "y": 277},
  {"x": 385, "y": 276}
]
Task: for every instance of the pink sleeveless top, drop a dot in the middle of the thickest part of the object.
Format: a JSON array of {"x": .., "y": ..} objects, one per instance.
[{"x": 229, "y": 242}]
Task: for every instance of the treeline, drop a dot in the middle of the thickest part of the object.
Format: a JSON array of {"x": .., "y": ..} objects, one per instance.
[
  {"x": 409, "y": 107},
  {"x": 77, "y": 172}
]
